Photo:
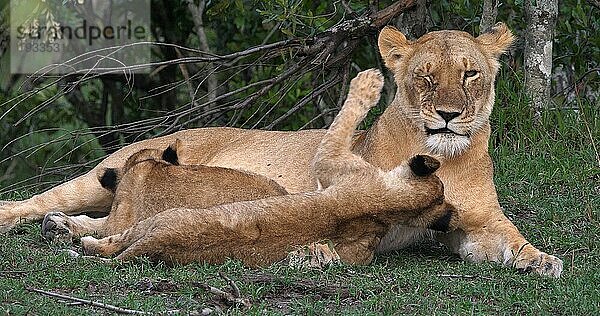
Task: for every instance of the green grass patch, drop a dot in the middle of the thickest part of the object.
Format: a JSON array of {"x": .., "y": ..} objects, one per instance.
[{"x": 548, "y": 180}]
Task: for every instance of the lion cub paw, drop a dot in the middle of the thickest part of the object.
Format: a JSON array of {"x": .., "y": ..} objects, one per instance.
[
  {"x": 55, "y": 228},
  {"x": 541, "y": 263},
  {"x": 366, "y": 86},
  {"x": 90, "y": 245}
]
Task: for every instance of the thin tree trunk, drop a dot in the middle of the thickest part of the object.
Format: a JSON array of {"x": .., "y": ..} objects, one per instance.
[
  {"x": 416, "y": 21},
  {"x": 488, "y": 16},
  {"x": 211, "y": 82},
  {"x": 541, "y": 20}
]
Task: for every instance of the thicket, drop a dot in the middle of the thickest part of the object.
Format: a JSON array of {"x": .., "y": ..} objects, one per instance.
[{"x": 49, "y": 135}]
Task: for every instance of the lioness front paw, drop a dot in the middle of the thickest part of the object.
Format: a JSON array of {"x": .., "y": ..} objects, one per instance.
[
  {"x": 540, "y": 262},
  {"x": 55, "y": 228},
  {"x": 367, "y": 86}
]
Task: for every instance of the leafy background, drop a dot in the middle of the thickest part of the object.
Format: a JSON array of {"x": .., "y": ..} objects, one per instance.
[{"x": 48, "y": 142}]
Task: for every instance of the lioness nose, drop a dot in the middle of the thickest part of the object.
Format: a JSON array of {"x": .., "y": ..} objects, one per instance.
[{"x": 448, "y": 116}]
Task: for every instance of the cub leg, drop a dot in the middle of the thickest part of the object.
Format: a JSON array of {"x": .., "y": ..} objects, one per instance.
[
  {"x": 358, "y": 248},
  {"x": 115, "y": 244},
  {"x": 57, "y": 226},
  {"x": 334, "y": 156},
  {"x": 82, "y": 194}
]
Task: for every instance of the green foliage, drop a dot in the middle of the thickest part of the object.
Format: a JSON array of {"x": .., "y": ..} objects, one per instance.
[{"x": 234, "y": 25}]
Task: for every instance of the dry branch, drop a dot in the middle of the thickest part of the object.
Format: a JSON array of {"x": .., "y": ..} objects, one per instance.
[
  {"x": 232, "y": 298},
  {"x": 325, "y": 54},
  {"x": 109, "y": 307},
  {"x": 211, "y": 82},
  {"x": 463, "y": 276},
  {"x": 488, "y": 16}
]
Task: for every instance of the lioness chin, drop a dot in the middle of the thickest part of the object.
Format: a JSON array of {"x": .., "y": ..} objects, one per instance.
[{"x": 445, "y": 94}]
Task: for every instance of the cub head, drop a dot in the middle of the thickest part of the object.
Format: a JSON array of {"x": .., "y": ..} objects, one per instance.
[
  {"x": 446, "y": 82},
  {"x": 109, "y": 178},
  {"x": 424, "y": 206}
]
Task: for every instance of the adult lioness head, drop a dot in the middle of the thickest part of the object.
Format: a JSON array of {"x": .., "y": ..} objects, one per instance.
[{"x": 446, "y": 81}]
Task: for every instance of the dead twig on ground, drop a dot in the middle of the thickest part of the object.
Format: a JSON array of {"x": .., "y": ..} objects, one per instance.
[
  {"x": 109, "y": 307},
  {"x": 463, "y": 276},
  {"x": 232, "y": 298}
]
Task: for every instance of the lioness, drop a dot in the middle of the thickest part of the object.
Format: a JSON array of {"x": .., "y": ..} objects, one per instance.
[
  {"x": 153, "y": 181},
  {"x": 355, "y": 207},
  {"x": 444, "y": 96}
]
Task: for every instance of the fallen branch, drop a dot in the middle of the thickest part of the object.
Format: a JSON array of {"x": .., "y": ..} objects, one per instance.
[
  {"x": 231, "y": 298},
  {"x": 463, "y": 276},
  {"x": 109, "y": 307}
]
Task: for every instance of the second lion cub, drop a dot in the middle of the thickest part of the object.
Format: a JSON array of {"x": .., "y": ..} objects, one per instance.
[
  {"x": 355, "y": 207},
  {"x": 152, "y": 181}
]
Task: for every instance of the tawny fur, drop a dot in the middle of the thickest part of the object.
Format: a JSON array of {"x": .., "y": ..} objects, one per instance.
[
  {"x": 467, "y": 172},
  {"x": 358, "y": 204},
  {"x": 148, "y": 185}
]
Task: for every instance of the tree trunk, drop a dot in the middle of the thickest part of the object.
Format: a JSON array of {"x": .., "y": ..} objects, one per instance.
[
  {"x": 212, "y": 83},
  {"x": 488, "y": 16},
  {"x": 541, "y": 20},
  {"x": 416, "y": 21}
]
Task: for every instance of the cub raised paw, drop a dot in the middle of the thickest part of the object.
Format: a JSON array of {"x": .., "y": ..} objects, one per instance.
[{"x": 366, "y": 87}]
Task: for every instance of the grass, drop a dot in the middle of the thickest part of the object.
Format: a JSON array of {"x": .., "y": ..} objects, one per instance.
[{"x": 548, "y": 180}]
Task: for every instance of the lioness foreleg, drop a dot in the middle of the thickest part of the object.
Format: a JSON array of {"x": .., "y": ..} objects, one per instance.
[
  {"x": 498, "y": 240},
  {"x": 82, "y": 194}
]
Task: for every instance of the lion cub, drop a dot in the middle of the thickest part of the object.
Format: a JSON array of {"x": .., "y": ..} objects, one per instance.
[
  {"x": 152, "y": 181},
  {"x": 355, "y": 206}
]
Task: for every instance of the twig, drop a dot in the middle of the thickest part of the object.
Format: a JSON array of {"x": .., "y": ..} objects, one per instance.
[
  {"x": 109, "y": 307},
  {"x": 463, "y": 276},
  {"x": 304, "y": 101},
  {"x": 230, "y": 298},
  {"x": 232, "y": 285}
]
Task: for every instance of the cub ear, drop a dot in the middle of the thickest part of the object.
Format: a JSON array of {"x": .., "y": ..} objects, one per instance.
[
  {"x": 170, "y": 154},
  {"x": 497, "y": 40},
  {"x": 422, "y": 165},
  {"x": 393, "y": 46},
  {"x": 109, "y": 179}
]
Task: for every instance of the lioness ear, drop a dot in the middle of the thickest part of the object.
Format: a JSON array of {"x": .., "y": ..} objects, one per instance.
[
  {"x": 393, "y": 45},
  {"x": 497, "y": 40},
  {"x": 109, "y": 178},
  {"x": 422, "y": 165},
  {"x": 170, "y": 154}
]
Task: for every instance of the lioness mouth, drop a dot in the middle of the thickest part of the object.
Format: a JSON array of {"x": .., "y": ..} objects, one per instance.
[{"x": 443, "y": 130}]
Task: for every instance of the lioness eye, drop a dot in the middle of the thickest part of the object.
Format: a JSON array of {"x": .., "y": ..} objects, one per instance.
[{"x": 470, "y": 73}]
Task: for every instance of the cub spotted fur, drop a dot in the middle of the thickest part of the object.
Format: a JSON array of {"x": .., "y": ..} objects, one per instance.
[{"x": 354, "y": 209}]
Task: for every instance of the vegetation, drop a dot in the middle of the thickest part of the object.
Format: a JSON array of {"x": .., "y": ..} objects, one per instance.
[
  {"x": 547, "y": 172},
  {"x": 552, "y": 193}
]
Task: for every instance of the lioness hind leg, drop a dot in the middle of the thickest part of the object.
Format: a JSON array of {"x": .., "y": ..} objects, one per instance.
[
  {"x": 58, "y": 226},
  {"x": 82, "y": 194}
]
